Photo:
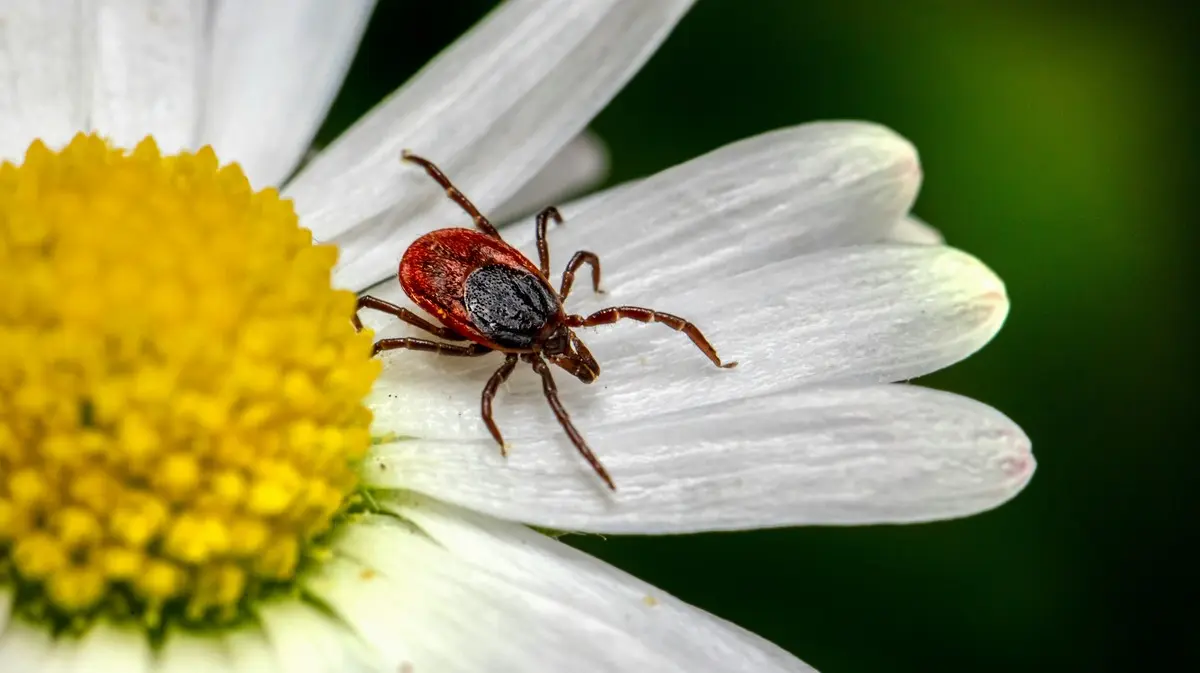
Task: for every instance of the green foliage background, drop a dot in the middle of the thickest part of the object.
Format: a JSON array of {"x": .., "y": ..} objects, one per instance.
[{"x": 1053, "y": 138}]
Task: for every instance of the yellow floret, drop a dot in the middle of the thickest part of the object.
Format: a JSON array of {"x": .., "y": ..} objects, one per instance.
[{"x": 181, "y": 391}]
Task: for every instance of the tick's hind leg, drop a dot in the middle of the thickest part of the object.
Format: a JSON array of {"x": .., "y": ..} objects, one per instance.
[
  {"x": 610, "y": 315},
  {"x": 489, "y": 394},
  {"x": 367, "y": 301},
  {"x": 428, "y": 346},
  {"x": 452, "y": 191},
  {"x": 568, "y": 278},
  {"x": 551, "y": 392}
]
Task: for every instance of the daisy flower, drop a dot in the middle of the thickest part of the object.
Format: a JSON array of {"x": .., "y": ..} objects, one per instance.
[{"x": 201, "y": 466}]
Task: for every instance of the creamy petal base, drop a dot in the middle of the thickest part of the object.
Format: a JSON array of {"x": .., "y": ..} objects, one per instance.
[
  {"x": 435, "y": 589},
  {"x": 121, "y": 649},
  {"x": 453, "y": 591},
  {"x": 306, "y": 639},
  {"x": 26, "y": 648}
]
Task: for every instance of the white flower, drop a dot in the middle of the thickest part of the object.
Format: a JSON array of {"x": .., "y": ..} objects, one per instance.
[{"x": 793, "y": 251}]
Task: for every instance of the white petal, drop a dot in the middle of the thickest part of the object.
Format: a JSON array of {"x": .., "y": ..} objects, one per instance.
[
  {"x": 43, "y": 73},
  {"x": 307, "y": 641},
  {"x": 882, "y": 454},
  {"x": 277, "y": 66},
  {"x": 61, "y": 656},
  {"x": 383, "y": 619},
  {"x": 146, "y": 75},
  {"x": 579, "y": 166},
  {"x": 855, "y": 315},
  {"x": 250, "y": 652},
  {"x": 760, "y": 200},
  {"x": 913, "y": 230},
  {"x": 492, "y": 110},
  {"x": 757, "y": 201},
  {"x": 114, "y": 648},
  {"x": 484, "y": 595},
  {"x": 6, "y": 604},
  {"x": 186, "y": 652},
  {"x": 24, "y": 647}
]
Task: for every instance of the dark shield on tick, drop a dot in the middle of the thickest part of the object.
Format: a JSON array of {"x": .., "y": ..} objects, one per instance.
[{"x": 486, "y": 292}]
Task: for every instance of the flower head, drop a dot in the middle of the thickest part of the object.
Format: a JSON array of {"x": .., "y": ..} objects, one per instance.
[
  {"x": 188, "y": 478},
  {"x": 185, "y": 410}
]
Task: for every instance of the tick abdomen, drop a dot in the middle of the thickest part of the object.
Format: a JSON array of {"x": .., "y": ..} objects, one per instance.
[{"x": 509, "y": 305}]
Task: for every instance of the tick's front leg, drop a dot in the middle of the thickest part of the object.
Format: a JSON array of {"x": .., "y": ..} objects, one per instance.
[{"x": 451, "y": 191}]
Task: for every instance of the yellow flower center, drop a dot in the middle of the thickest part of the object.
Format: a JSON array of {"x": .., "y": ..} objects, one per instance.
[{"x": 181, "y": 413}]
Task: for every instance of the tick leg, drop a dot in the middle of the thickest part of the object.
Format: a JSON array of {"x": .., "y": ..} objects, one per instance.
[
  {"x": 429, "y": 347},
  {"x": 579, "y": 259},
  {"x": 543, "y": 249},
  {"x": 367, "y": 301},
  {"x": 551, "y": 391},
  {"x": 452, "y": 191},
  {"x": 489, "y": 394},
  {"x": 608, "y": 316}
]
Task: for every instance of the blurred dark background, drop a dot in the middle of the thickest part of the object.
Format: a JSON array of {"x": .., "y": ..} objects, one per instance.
[{"x": 1055, "y": 141}]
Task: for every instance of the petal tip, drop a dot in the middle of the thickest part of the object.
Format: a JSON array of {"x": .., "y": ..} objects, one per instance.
[
  {"x": 976, "y": 279},
  {"x": 1013, "y": 464},
  {"x": 876, "y": 135},
  {"x": 1018, "y": 464},
  {"x": 888, "y": 148}
]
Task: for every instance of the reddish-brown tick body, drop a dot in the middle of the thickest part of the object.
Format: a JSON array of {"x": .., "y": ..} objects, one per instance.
[
  {"x": 485, "y": 291},
  {"x": 480, "y": 287}
]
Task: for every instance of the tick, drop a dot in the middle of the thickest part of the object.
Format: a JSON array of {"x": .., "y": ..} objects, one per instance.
[{"x": 486, "y": 292}]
